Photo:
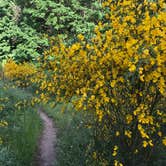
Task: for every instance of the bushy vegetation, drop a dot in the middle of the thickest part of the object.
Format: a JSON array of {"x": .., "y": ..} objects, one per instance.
[
  {"x": 18, "y": 40},
  {"x": 106, "y": 91},
  {"x": 24, "y": 24},
  {"x": 118, "y": 77}
]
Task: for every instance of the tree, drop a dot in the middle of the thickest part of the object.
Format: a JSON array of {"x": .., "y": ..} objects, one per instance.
[
  {"x": 24, "y": 24},
  {"x": 18, "y": 40}
]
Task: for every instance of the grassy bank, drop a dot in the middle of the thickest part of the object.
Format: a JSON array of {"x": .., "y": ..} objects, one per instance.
[{"x": 20, "y": 134}]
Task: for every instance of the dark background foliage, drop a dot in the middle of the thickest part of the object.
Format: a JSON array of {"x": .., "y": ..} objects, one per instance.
[{"x": 24, "y": 24}]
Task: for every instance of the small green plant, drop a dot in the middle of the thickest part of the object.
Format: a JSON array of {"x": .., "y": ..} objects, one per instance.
[{"x": 7, "y": 158}]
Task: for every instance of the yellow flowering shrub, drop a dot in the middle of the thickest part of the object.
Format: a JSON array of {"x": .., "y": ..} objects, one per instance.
[
  {"x": 19, "y": 73},
  {"x": 119, "y": 77}
]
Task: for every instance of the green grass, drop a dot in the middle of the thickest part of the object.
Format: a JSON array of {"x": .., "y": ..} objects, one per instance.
[
  {"x": 24, "y": 127},
  {"x": 72, "y": 136},
  {"x": 25, "y": 137}
]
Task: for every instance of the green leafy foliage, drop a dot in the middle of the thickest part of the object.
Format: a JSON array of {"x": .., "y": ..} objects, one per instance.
[
  {"x": 18, "y": 40},
  {"x": 23, "y": 24},
  {"x": 66, "y": 16}
]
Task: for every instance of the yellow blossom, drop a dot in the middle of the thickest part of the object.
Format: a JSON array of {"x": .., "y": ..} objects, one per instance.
[
  {"x": 132, "y": 68},
  {"x": 145, "y": 144},
  {"x": 164, "y": 141}
]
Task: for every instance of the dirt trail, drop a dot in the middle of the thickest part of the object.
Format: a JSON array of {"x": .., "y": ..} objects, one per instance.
[{"x": 46, "y": 156}]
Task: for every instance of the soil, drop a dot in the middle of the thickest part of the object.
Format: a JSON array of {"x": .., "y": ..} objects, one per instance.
[{"x": 46, "y": 149}]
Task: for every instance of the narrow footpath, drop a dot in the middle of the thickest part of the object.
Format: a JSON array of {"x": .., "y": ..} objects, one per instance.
[{"x": 46, "y": 149}]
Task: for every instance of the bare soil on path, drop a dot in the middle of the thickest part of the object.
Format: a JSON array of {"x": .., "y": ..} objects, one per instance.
[{"x": 46, "y": 148}]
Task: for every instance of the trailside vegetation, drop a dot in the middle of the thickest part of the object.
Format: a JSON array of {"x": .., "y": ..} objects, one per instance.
[{"x": 115, "y": 82}]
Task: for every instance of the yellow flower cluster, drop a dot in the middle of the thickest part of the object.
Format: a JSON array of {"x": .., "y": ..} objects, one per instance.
[
  {"x": 115, "y": 150},
  {"x": 3, "y": 123},
  {"x": 119, "y": 76},
  {"x": 20, "y": 73}
]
